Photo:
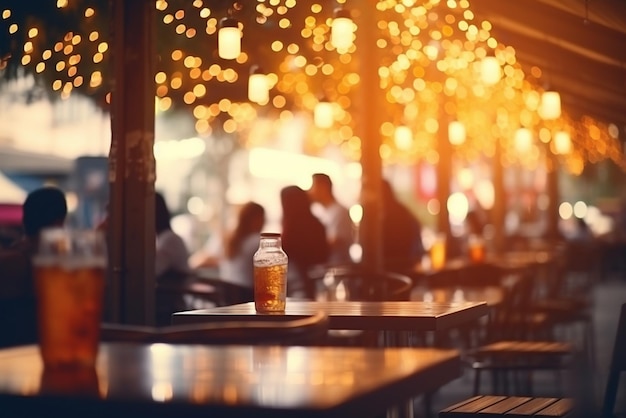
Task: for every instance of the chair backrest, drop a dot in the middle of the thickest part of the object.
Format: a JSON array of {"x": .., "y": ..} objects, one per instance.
[
  {"x": 229, "y": 293},
  {"x": 618, "y": 365},
  {"x": 356, "y": 284},
  {"x": 309, "y": 330},
  {"x": 507, "y": 320},
  {"x": 171, "y": 290},
  {"x": 480, "y": 274}
]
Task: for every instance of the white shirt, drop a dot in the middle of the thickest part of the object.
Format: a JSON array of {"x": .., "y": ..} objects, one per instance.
[
  {"x": 336, "y": 220},
  {"x": 171, "y": 253},
  {"x": 240, "y": 269}
]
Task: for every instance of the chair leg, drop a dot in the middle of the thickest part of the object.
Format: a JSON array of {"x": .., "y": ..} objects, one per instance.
[
  {"x": 610, "y": 394},
  {"x": 495, "y": 378},
  {"x": 505, "y": 374},
  {"x": 427, "y": 400},
  {"x": 589, "y": 342},
  {"x": 476, "y": 381}
]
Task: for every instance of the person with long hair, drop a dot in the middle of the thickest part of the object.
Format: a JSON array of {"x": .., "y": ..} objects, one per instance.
[
  {"x": 241, "y": 244},
  {"x": 303, "y": 238},
  {"x": 171, "y": 254}
]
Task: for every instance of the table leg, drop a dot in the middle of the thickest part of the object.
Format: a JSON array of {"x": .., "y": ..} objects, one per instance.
[
  {"x": 404, "y": 410},
  {"x": 400, "y": 339}
]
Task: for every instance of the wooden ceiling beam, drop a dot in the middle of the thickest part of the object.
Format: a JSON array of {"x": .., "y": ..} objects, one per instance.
[
  {"x": 555, "y": 26},
  {"x": 542, "y": 36}
]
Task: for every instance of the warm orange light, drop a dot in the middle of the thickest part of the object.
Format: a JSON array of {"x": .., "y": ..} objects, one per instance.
[
  {"x": 323, "y": 114},
  {"x": 550, "y": 107},
  {"x": 490, "y": 70},
  {"x": 456, "y": 133},
  {"x": 562, "y": 143},
  {"x": 258, "y": 87},
  {"x": 342, "y": 30},
  {"x": 229, "y": 39}
]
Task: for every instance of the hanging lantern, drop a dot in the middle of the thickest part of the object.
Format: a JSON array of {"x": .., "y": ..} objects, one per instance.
[
  {"x": 490, "y": 70},
  {"x": 562, "y": 143},
  {"x": 229, "y": 39},
  {"x": 258, "y": 87},
  {"x": 323, "y": 114},
  {"x": 342, "y": 30},
  {"x": 403, "y": 137},
  {"x": 550, "y": 107},
  {"x": 456, "y": 132},
  {"x": 523, "y": 140}
]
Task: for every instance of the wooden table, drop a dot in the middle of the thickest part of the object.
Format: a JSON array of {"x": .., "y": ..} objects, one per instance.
[
  {"x": 379, "y": 316},
  {"x": 162, "y": 380},
  {"x": 491, "y": 295}
]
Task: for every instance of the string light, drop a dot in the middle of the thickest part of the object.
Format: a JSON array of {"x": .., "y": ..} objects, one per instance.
[
  {"x": 258, "y": 87},
  {"x": 481, "y": 84},
  {"x": 342, "y": 30},
  {"x": 323, "y": 114},
  {"x": 229, "y": 39}
]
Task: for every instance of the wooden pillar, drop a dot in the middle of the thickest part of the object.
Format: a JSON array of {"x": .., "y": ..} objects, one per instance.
[
  {"x": 370, "y": 96},
  {"x": 499, "y": 199},
  {"x": 132, "y": 165},
  {"x": 552, "y": 185},
  {"x": 444, "y": 173}
]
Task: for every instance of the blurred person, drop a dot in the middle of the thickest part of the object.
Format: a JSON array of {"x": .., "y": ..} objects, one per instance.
[
  {"x": 210, "y": 254},
  {"x": 303, "y": 239},
  {"x": 474, "y": 223},
  {"x": 402, "y": 231},
  {"x": 171, "y": 255},
  {"x": 43, "y": 208},
  {"x": 336, "y": 219},
  {"x": 582, "y": 233},
  {"x": 237, "y": 266}
]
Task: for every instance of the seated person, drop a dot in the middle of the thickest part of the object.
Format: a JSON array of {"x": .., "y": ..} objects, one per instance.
[
  {"x": 44, "y": 207},
  {"x": 237, "y": 266},
  {"x": 171, "y": 253},
  {"x": 171, "y": 265}
]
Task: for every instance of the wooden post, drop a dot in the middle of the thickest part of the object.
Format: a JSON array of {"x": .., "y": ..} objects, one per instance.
[
  {"x": 552, "y": 185},
  {"x": 444, "y": 172},
  {"x": 499, "y": 199},
  {"x": 370, "y": 96},
  {"x": 132, "y": 165}
]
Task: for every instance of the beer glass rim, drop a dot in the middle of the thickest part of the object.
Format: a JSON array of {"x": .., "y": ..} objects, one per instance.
[{"x": 73, "y": 247}]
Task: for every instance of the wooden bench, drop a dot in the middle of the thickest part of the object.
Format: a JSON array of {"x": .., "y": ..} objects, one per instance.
[{"x": 509, "y": 406}]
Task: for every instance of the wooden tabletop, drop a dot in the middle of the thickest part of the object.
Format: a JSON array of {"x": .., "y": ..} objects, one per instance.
[
  {"x": 161, "y": 380},
  {"x": 380, "y": 316},
  {"x": 492, "y": 295},
  {"x": 508, "y": 261}
]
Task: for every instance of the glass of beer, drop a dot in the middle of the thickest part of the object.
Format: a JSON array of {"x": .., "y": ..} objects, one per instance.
[
  {"x": 438, "y": 252},
  {"x": 476, "y": 248},
  {"x": 270, "y": 275},
  {"x": 69, "y": 282}
]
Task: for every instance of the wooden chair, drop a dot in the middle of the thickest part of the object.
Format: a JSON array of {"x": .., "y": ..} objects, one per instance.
[
  {"x": 228, "y": 293},
  {"x": 352, "y": 283},
  {"x": 549, "y": 407},
  {"x": 566, "y": 299},
  {"x": 311, "y": 330},
  {"x": 516, "y": 406},
  {"x": 356, "y": 284},
  {"x": 512, "y": 346},
  {"x": 173, "y": 288}
]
